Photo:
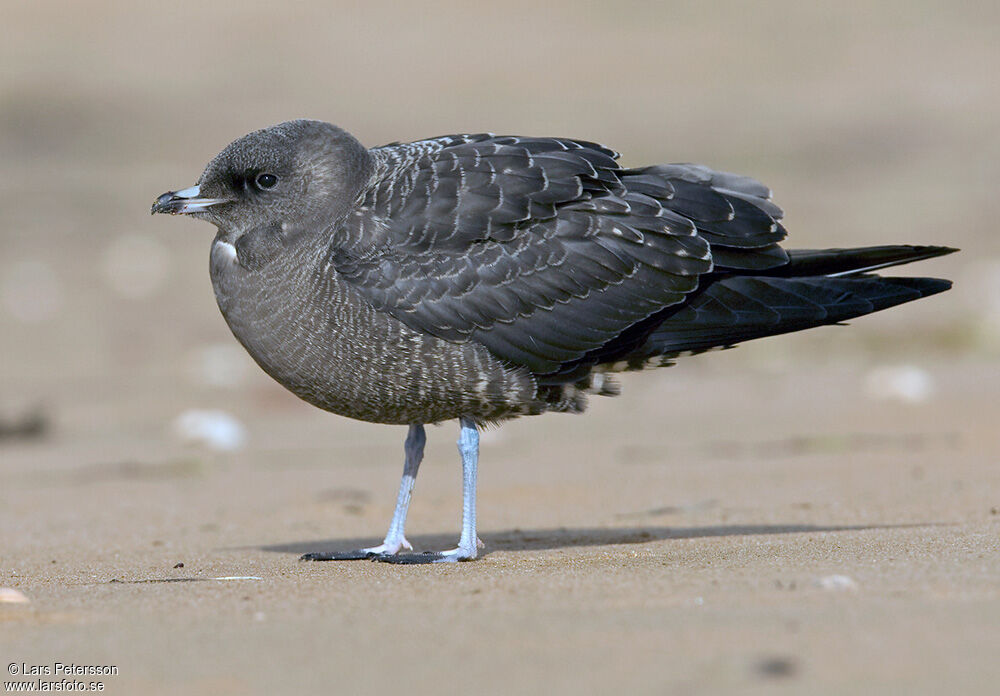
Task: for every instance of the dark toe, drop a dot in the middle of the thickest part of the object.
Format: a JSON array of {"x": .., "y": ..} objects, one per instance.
[
  {"x": 356, "y": 555},
  {"x": 407, "y": 558},
  {"x": 418, "y": 558}
]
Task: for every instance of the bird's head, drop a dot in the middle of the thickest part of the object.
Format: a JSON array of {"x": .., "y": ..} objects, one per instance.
[{"x": 301, "y": 173}]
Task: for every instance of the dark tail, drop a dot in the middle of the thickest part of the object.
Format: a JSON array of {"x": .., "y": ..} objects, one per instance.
[{"x": 815, "y": 288}]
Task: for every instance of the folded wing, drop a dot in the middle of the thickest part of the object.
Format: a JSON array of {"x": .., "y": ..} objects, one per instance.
[{"x": 544, "y": 249}]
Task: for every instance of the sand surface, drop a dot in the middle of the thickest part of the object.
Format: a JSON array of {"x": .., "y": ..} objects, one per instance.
[{"x": 817, "y": 513}]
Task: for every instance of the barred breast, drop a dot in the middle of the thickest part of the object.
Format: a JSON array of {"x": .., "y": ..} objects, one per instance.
[{"x": 314, "y": 335}]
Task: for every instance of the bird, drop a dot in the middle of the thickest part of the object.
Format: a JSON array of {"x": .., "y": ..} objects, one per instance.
[{"x": 482, "y": 277}]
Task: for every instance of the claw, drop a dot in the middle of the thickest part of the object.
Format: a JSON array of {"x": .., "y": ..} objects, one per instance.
[{"x": 390, "y": 548}]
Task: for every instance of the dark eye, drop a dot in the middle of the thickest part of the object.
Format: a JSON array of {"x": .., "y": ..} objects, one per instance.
[{"x": 266, "y": 181}]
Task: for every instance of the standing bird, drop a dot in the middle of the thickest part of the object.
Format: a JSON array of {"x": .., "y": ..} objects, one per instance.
[{"x": 485, "y": 277}]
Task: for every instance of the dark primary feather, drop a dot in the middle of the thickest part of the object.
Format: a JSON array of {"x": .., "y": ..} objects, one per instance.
[
  {"x": 740, "y": 308},
  {"x": 815, "y": 288}
]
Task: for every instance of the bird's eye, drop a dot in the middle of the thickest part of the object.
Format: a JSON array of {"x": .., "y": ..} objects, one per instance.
[{"x": 266, "y": 181}]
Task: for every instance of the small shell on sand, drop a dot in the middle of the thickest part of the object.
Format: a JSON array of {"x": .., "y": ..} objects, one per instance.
[
  {"x": 906, "y": 384},
  {"x": 214, "y": 429},
  {"x": 8, "y": 595},
  {"x": 837, "y": 583}
]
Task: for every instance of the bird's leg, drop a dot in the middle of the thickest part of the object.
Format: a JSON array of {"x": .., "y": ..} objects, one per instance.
[
  {"x": 468, "y": 543},
  {"x": 395, "y": 539},
  {"x": 468, "y": 447}
]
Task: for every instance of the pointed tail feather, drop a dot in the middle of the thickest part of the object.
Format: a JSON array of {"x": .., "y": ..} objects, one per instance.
[{"x": 843, "y": 262}]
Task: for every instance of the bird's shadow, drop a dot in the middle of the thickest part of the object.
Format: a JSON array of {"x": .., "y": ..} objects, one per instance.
[{"x": 560, "y": 538}]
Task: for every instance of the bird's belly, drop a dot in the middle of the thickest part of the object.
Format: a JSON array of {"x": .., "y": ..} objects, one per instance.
[{"x": 323, "y": 343}]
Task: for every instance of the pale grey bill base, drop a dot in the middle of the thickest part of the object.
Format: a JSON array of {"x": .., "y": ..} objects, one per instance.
[{"x": 395, "y": 538}]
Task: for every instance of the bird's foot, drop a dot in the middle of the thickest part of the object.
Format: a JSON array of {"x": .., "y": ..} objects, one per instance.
[
  {"x": 385, "y": 549},
  {"x": 462, "y": 552}
]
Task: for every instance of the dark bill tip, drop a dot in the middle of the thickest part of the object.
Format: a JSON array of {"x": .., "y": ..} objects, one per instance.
[
  {"x": 183, "y": 202},
  {"x": 165, "y": 203}
]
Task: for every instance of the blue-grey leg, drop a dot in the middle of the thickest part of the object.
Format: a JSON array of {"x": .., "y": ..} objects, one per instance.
[
  {"x": 395, "y": 538},
  {"x": 468, "y": 543},
  {"x": 468, "y": 447}
]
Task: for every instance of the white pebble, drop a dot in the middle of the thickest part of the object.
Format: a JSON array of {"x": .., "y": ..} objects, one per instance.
[
  {"x": 837, "y": 583},
  {"x": 8, "y": 595},
  {"x": 135, "y": 266},
  {"x": 216, "y": 430},
  {"x": 904, "y": 383}
]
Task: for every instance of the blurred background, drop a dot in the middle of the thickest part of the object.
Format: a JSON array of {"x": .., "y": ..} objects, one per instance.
[{"x": 873, "y": 122}]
